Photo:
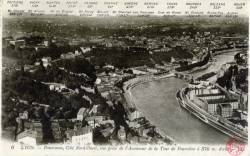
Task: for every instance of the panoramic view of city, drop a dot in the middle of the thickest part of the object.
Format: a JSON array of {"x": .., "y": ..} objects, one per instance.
[{"x": 124, "y": 80}]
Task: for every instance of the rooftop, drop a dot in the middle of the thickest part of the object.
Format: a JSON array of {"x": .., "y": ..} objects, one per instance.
[
  {"x": 82, "y": 111},
  {"x": 222, "y": 100},
  {"x": 225, "y": 105},
  {"x": 214, "y": 94},
  {"x": 76, "y": 132}
]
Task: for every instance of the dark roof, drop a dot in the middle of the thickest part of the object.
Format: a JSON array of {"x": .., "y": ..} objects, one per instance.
[
  {"x": 226, "y": 105},
  {"x": 222, "y": 100},
  {"x": 204, "y": 95}
]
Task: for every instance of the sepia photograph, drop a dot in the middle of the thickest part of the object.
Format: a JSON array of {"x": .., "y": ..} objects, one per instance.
[{"x": 124, "y": 80}]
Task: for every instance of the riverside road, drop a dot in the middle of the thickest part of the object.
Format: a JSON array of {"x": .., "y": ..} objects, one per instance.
[{"x": 156, "y": 100}]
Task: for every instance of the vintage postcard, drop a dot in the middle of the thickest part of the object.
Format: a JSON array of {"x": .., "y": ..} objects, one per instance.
[{"x": 131, "y": 77}]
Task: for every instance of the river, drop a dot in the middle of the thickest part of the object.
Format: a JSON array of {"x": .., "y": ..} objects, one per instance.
[
  {"x": 156, "y": 100},
  {"x": 220, "y": 60}
]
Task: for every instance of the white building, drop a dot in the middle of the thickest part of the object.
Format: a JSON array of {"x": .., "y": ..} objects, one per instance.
[
  {"x": 46, "y": 43},
  {"x": 243, "y": 115},
  {"x": 87, "y": 98},
  {"x": 225, "y": 110},
  {"x": 98, "y": 81},
  {"x": 82, "y": 113},
  {"x": 134, "y": 115},
  {"x": 18, "y": 43},
  {"x": 225, "y": 104},
  {"x": 109, "y": 67},
  {"x": 195, "y": 85},
  {"x": 94, "y": 121},
  {"x": 138, "y": 72},
  {"x": 152, "y": 70},
  {"x": 68, "y": 55},
  {"x": 94, "y": 109},
  {"x": 201, "y": 91},
  {"x": 24, "y": 115},
  {"x": 46, "y": 61},
  {"x": 77, "y": 53},
  {"x": 85, "y": 49},
  {"x": 56, "y": 86},
  {"x": 84, "y": 139},
  {"x": 81, "y": 136},
  {"x": 122, "y": 134}
]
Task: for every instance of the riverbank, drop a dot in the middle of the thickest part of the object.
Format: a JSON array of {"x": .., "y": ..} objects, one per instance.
[
  {"x": 224, "y": 122},
  {"x": 164, "y": 113},
  {"x": 220, "y": 58},
  {"x": 197, "y": 69},
  {"x": 130, "y": 84},
  {"x": 220, "y": 123}
]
